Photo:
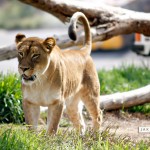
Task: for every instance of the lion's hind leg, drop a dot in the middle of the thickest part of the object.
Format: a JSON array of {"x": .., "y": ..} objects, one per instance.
[
  {"x": 74, "y": 112},
  {"x": 91, "y": 102}
]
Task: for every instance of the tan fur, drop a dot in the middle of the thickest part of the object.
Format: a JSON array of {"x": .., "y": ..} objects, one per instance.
[{"x": 60, "y": 77}]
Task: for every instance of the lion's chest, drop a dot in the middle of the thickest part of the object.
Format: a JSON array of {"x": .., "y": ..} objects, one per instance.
[{"x": 41, "y": 96}]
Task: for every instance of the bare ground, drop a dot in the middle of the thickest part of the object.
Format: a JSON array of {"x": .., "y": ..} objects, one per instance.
[{"x": 127, "y": 124}]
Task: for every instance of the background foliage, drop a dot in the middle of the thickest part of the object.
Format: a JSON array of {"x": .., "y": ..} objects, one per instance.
[{"x": 16, "y": 15}]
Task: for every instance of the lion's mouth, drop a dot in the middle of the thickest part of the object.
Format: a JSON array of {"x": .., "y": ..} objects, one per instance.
[{"x": 26, "y": 78}]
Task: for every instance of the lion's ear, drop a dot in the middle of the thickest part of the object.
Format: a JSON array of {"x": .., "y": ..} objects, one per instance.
[
  {"x": 49, "y": 43},
  {"x": 20, "y": 37}
]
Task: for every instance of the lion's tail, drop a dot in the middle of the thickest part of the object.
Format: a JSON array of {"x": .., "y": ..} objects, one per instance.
[{"x": 72, "y": 30}]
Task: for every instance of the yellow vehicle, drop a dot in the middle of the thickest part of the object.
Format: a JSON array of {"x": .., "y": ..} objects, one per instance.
[{"x": 114, "y": 43}]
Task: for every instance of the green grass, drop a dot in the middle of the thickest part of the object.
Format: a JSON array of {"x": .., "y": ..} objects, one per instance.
[
  {"x": 18, "y": 138},
  {"x": 123, "y": 79}
]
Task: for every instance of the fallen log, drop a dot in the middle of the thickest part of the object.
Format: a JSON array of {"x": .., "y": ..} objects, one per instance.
[{"x": 126, "y": 99}]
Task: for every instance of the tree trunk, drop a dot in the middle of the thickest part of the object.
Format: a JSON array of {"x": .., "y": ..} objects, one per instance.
[{"x": 125, "y": 99}]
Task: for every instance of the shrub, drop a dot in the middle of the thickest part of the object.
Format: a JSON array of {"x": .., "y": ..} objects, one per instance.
[{"x": 10, "y": 99}]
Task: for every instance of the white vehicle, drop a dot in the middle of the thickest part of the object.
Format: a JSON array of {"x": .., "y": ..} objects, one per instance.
[{"x": 142, "y": 44}]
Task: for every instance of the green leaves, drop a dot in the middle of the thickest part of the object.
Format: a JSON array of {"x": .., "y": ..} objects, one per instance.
[{"x": 10, "y": 99}]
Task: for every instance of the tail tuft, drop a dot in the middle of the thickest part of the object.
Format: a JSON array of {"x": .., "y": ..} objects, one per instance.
[
  {"x": 72, "y": 33},
  {"x": 72, "y": 30}
]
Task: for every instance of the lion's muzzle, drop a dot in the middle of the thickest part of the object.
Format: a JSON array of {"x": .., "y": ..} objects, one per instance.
[{"x": 26, "y": 78}]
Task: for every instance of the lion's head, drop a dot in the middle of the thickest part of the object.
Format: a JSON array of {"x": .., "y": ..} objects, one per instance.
[{"x": 33, "y": 56}]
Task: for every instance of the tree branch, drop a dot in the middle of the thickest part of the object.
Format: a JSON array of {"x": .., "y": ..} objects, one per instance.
[{"x": 111, "y": 20}]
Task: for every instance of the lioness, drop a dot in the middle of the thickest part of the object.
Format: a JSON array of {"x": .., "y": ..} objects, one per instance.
[{"x": 51, "y": 77}]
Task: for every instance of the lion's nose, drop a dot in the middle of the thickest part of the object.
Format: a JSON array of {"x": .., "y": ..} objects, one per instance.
[{"x": 24, "y": 68}]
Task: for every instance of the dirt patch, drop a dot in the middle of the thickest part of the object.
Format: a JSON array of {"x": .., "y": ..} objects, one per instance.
[
  {"x": 122, "y": 123},
  {"x": 127, "y": 124}
]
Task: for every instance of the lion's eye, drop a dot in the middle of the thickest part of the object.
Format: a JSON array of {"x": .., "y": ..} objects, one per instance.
[
  {"x": 35, "y": 56},
  {"x": 20, "y": 54},
  {"x": 48, "y": 46}
]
